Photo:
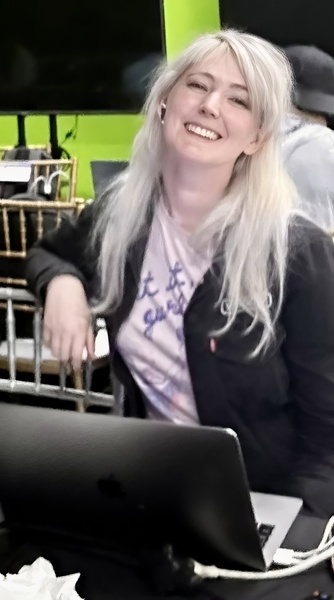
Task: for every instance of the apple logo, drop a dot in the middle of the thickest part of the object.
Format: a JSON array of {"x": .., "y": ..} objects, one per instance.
[{"x": 111, "y": 487}]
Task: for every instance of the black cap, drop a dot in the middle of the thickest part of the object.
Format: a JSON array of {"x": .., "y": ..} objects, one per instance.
[{"x": 314, "y": 75}]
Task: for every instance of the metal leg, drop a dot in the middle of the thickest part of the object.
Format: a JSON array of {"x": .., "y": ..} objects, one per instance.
[{"x": 81, "y": 394}]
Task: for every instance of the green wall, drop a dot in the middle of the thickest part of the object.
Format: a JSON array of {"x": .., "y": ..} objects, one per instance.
[
  {"x": 185, "y": 19},
  {"x": 111, "y": 136}
]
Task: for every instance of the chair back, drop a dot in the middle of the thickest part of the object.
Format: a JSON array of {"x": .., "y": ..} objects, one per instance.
[
  {"x": 30, "y": 356},
  {"x": 22, "y": 223}
]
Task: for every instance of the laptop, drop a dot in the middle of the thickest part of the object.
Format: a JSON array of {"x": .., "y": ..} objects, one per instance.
[
  {"x": 114, "y": 482},
  {"x": 103, "y": 171}
]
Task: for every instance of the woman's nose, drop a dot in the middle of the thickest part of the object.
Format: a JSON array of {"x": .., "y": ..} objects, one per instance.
[{"x": 211, "y": 106}]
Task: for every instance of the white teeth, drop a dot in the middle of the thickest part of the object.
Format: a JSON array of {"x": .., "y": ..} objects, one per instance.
[{"x": 211, "y": 135}]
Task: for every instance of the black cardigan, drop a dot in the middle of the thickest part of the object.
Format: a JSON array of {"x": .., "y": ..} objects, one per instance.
[{"x": 281, "y": 404}]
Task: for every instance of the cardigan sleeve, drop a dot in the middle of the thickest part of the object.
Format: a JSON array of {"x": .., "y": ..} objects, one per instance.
[
  {"x": 63, "y": 251},
  {"x": 308, "y": 317}
]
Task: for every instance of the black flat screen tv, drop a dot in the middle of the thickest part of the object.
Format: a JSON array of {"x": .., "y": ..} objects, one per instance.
[
  {"x": 78, "y": 57},
  {"x": 283, "y": 22}
]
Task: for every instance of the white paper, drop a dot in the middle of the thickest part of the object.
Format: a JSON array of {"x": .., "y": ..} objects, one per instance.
[
  {"x": 15, "y": 171},
  {"x": 38, "y": 582}
]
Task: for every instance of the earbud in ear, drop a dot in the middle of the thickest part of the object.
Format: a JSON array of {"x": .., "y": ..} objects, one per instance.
[{"x": 163, "y": 112}]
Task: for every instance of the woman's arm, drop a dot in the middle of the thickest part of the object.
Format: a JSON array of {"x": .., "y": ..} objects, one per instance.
[
  {"x": 308, "y": 317},
  {"x": 61, "y": 270},
  {"x": 63, "y": 251}
]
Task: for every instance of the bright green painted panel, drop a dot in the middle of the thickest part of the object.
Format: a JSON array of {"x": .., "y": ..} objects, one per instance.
[{"x": 185, "y": 19}]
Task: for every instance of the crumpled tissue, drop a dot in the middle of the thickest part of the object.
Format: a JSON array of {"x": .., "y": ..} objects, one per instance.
[{"x": 38, "y": 582}]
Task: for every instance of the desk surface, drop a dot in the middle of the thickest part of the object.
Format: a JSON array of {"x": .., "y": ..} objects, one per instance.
[{"x": 102, "y": 579}]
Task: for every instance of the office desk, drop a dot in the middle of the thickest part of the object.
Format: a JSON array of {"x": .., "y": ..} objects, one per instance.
[{"x": 103, "y": 579}]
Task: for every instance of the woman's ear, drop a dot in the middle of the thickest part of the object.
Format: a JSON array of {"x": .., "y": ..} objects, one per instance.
[{"x": 256, "y": 144}]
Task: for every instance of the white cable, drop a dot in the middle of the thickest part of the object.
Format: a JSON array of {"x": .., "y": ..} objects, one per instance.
[
  {"x": 328, "y": 531},
  {"x": 212, "y": 572},
  {"x": 297, "y": 562},
  {"x": 47, "y": 186},
  {"x": 285, "y": 557},
  {"x": 59, "y": 172},
  {"x": 303, "y": 555},
  {"x": 48, "y": 182},
  {"x": 326, "y": 540},
  {"x": 35, "y": 182}
]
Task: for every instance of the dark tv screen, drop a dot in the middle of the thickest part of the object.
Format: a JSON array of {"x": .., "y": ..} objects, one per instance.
[
  {"x": 78, "y": 57},
  {"x": 283, "y": 22}
]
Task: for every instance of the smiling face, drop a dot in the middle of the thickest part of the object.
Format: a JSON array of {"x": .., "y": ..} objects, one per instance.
[{"x": 208, "y": 117}]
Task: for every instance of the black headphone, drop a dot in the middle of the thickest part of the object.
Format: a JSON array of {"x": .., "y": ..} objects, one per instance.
[{"x": 163, "y": 112}]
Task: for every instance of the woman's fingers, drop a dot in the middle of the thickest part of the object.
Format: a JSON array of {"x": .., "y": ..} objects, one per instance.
[
  {"x": 67, "y": 320},
  {"x": 78, "y": 346},
  {"x": 65, "y": 347},
  {"x": 47, "y": 334},
  {"x": 90, "y": 343}
]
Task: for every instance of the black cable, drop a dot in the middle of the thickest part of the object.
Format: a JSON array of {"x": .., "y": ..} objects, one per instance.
[
  {"x": 56, "y": 151},
  {"x": 72, "y": 133}
]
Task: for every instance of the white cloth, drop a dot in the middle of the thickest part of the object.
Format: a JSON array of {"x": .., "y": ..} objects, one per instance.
[
  {"x": 152, "y": 341},
  {"x": 38, "y": 582},
  {"x": 308, "y": 151},
  {"x": 24, "y": 348}
]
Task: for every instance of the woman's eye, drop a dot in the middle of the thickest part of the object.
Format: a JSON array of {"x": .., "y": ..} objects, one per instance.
[
  {"x": 241, "y": 102},
  {"x": 197, "y": 85}
]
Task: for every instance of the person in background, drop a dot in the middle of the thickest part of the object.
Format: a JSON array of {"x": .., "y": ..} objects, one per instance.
[
  {"x": 308, "y": 142},
  {"x": 218, "y": 297}
]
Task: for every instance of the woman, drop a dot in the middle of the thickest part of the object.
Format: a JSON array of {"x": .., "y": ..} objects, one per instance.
[{"x": 219, "y": 300}]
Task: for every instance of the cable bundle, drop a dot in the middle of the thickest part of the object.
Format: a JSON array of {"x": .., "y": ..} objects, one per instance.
[{"x": 294, "y": 562}]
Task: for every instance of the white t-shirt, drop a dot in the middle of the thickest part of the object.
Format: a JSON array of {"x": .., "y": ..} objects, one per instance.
[{"x": 151, "y": 341}]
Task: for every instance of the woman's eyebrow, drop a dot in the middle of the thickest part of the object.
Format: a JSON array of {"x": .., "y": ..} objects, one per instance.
[{"x": 233, "y": 86}]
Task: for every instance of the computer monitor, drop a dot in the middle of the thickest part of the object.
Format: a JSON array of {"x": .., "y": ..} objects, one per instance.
[
  {"x": 122, "y": 483},
  {"x": 104, "y": 171}
]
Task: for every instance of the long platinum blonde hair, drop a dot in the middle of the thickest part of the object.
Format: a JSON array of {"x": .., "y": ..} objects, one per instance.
[{"x": 250, "y": 225}]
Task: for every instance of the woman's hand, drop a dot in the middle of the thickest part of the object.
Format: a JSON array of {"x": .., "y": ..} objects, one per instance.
[{"x": 67, "y": 320}]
